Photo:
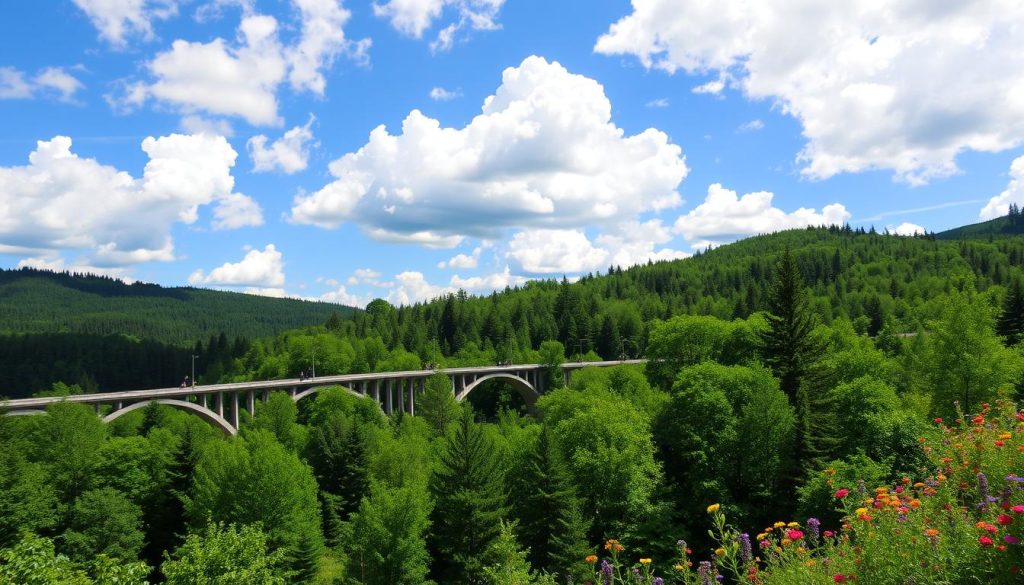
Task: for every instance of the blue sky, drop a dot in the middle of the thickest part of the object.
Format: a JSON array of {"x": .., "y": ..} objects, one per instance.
[{"x": 346, "y": 150}]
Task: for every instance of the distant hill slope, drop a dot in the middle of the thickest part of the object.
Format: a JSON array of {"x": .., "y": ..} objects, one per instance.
[
  {"x": 36, "y": 301},
  {"x": 1009, "y": 225}
]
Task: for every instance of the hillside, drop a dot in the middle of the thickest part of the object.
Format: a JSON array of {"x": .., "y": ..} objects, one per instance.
[
  {"x": 1008, "y": 225},
  {"x": 35, "y": 301},
  {"x": 875, "y": 281}
]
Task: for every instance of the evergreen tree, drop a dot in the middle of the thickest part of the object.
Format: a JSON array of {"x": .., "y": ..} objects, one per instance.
[
  {"x": 787, "y": 345},
  {"x": 1010, "y": 324},
  {"x": 437, "y": 404},
  {"x": 544, "y": 500},
  {"x": 467, "y": 490},
  {"x": 338, "y": 456}
]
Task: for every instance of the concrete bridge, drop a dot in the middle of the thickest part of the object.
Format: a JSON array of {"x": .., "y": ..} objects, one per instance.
[{"x": 221, "y": 404}]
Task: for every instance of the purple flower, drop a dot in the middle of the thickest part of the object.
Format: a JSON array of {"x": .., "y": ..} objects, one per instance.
[
  {"x": 704, "y": 572},
  {"x": 637, "y": 575},
  {"x": 813, "y": 530},
  {"x": 1011, "y": 539},
  {"x": 606, "y": 572},
  {"x": 681, "y": 543},
  {"x": 746, "y": 555},
  {"x": 982, "y": 489},
  {"x": 658, "y": 581}
]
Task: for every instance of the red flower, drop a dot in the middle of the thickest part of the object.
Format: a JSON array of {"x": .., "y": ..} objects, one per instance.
[
  {"x": 829, "y": 534},
  {"x": 1018, "y": 509},
  {"x": 938, "y": 421},
  {"x": 795, "y": 534},
  {"x": 839, "y": 578},
  {"x": 978, "y": 420},
  {"x": 840, "y": 494},
  {"x": 985, "y": 541},
  {"x": 1005, "y": 519}
]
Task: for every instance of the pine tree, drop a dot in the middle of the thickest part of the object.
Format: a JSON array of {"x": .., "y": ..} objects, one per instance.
[
  {"x": 544, "y": 500},
  {"x": 469, "y": 502},
  {"x": 1010, "y": 324},
  {"x": 338, "y": 456},
  {"x": 437, "y": 404},
  {"x": 787, "y": 346}
]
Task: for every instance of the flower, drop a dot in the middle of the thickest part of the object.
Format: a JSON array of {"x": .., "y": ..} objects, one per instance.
[
  {"x": 1018, "y": 509},
  {"x": 985, "y": 541},
  {"x": 591, "y": 559},
  {"x": 713, "y": 508},
  {"x": 839, "y": 578},
  {"x": 657, "y": 581},
  {"x": 840, "y": 494},
  {"x": 645, "y": 562},
  {"x": 932, "y": 532},
  {"x": 861, "y": 511},
  {"x": 829, "y": 534},
  {"x": 746, "y": 554},
  {"x": 1005, "y": 519},
  {"x": 719, "y": 552},
  {"x": 795, "y": 534},
  {"x": 613, "y": 546},
  {"x": 1011, "y": 539}
]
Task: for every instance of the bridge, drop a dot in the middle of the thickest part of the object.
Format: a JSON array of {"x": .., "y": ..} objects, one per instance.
[{"x": 221, "y": 404}]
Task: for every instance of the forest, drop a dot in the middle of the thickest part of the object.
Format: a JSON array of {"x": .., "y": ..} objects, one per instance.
[{"x": 820, "y": 406}]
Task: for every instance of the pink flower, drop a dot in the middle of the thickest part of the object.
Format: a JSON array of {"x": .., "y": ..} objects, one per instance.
[
  {"x": 1005, "y": 519},
  {"x": 840, "y": 494},
  {"x": 795, "y": 534},
  {"x": 1011, "y": 539},
  {"x": 1018, "y": 509},
  {"x": 985, "y": 541}
]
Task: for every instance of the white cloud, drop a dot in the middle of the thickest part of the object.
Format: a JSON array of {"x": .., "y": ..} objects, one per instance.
[
  {"x": 462, "y": 261},
  {"x": 634, "y": 243},
  {"x": 260, "y": 269},
  {"x": 907, "y": 229},
  {"x": 554, "y": 252},
  {"x": 903, "y": 85},
  {"x": 440, "y": 94},
  {"x": 542, "y": 153},
  {"x": 488, "y": 282},
  {"x": 60, "y": 201},
  {"x": 659, "y": 103},
  {"x": 194, "y": 124},
  {"x": 289, "y": 154},
  {"x": 713, "y": 87},
  {"x": 343, "y": 297},
  {"x": 412, "y": 287},
  {"x": 267, "y": 291},
  {"x": 235, "y": 211},
  {"x": 365, "y": 276},
  {"x": 999, "y": 205},
  {"x": 118, "y": 19},
  {"x": 414, "y": 17},
  {"x": 751, "y": 126},
  {"x": 724, "y": 217},
  {"x": 53, "y": 81},
  {"x": 242, "y": 79}
]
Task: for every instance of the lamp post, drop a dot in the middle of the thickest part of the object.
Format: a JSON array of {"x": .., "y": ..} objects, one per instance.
[
  {"x": 313, "y": 347},
  {"x": 194, "y": 356}
]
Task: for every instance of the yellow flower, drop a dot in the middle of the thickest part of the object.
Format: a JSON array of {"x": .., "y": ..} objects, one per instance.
[
  {"x": 1005, "y": 436},
  {"x": 786, "y": 541},
  {"x": 678, "y": 567},
  {"x": 793, "y": 525},
  {"x": 645, "y": 562},
  {"x": 810, "y": 563},
  {"x": 861, "y": 511},
  {"x": 719, "y": 552},
  {"x": 780, "y": 524},
  {"x": 761, "y": 536},
  {"x": 713, "y": 508}
]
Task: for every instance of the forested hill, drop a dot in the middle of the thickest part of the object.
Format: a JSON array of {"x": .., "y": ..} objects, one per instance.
[
  {"x": 1008, "y": 225},
  {"x": 37, "y": 301},
  {"x": 876, "y": 281}
]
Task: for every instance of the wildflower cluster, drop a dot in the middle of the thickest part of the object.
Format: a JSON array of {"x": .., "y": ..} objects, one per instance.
[{"x": 963, "y": 522}]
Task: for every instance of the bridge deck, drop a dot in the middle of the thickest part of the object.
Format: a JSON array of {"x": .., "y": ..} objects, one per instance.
[{"x": 285, "y": 384}]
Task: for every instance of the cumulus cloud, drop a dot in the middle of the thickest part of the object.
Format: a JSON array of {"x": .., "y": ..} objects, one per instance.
[
  {"x": 659, "y": 103},
  {"x": 242, "y": 78},
  {"x": 412, "y": 287},
  {"x": 289, "y": 154},
  {"x": 195, "y": 124},
  {"x": 117, "y": 20},
  {"x": 633, "y": 243},
  {"x": 440, "y": 94},
  {"x": 343, "y": 297},
  {"x": 723, "y": 217},
  {"x": 60, "y": 201},
  {"x": 999, "y": 205},
  {"x": 554, "y": 252},
  {"x": 543, "y": 152},
  {"x": 487, "y": 282},
  {"x": 236, "y": 210},
  {"x": 414, "y": 17},
  {"x": 367, "y": 276},
  {"x": 52, "y": 81},
  {"x": 463, "y": 261},
  {"x": 903, "y": 85},
  {"x": 907, "y": 229},
  {"x": 258, "y": 269}
]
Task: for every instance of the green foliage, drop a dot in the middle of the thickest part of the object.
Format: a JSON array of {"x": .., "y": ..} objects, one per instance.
[
  {"x": 253, "y": 479},
  {"x": 226, "y": 555},
  {"x": 388, "y": 545},
  {"x": 506, "y": 564},
  {"x": 788, "y": 346},
  {"x": 33, "y": 561},
  {"x": 817, "y": 495},
  {"x": 552, "y": 355},
  {"x": 27, "y": 499},
  {"x": 103, "y": 521},
  {"x": 437, "y": 404},
  {"x": 279, "y": 416},
  {"x": 68, "y": 441},
  {"x": 467, "y": 491}
]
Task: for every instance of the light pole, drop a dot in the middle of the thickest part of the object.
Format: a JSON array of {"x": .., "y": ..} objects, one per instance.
[
  {"x": 194, "y": 356},
  {"x": 313, "y": 347},
  {"x": 579, "y": 344}
]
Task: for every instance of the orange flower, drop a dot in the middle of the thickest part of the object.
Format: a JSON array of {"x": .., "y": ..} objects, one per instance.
[{"x": 591, "y": 559}]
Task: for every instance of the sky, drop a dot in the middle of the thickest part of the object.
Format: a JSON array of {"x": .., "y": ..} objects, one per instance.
[{"x": 346, "y": 150}]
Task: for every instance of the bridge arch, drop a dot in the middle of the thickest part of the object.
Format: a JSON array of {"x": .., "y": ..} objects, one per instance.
[
  {"x": 525, "y": 389},
  {"x": 204, "y": 413},
  {"x": 315, "y": 389}
]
